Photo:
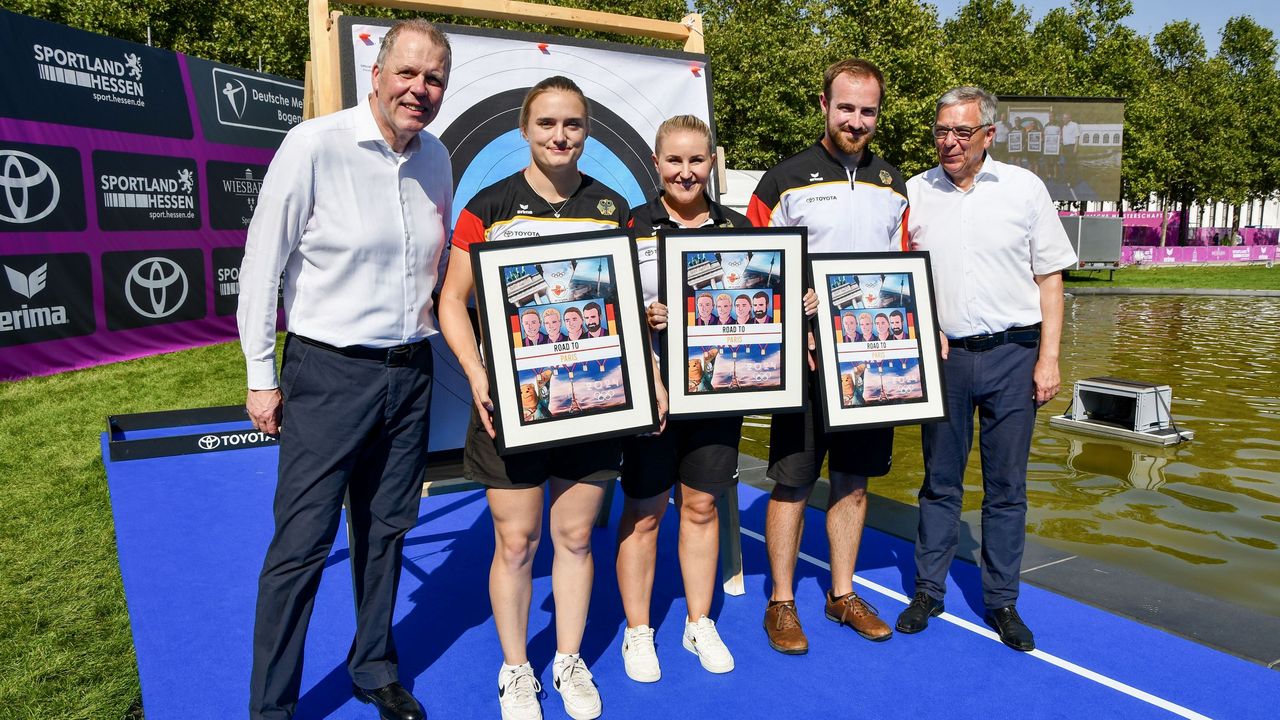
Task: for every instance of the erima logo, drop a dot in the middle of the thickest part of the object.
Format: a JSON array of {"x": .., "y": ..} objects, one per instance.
[
  {"x": 20, "y": 174},
  {"x": 155, "y": 279},
  {"x": 523, "y": 210},
  {"x": 25, "y": 318},
  {"x": 27, "y": 285},
  {"x": 815, "y": 177},
  {"x": 236, "y": 95}
]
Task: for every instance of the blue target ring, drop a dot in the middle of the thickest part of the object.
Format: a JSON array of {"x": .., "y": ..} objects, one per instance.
[{"x": 509, "y": 153}]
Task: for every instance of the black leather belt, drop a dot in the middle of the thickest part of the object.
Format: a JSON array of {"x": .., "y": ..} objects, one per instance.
[
  {"x": 1028, "y": 335},
  {"x": 393, "y": 356}
]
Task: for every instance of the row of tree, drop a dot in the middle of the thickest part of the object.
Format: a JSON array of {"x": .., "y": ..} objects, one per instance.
[{"x": 1199, "y": 129}]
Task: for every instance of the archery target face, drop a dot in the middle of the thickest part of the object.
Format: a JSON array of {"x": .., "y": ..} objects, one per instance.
[{"x": 631, "y": 91}]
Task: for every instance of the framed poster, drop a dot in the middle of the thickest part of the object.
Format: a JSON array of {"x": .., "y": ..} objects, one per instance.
[
  {"x": 736, "y": 332},
  {"x": 566, "y": 346},
  {"x": 878, "y": 348}
]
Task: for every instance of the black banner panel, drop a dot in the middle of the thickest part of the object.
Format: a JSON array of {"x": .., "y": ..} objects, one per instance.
[
  {"x": 233, "y": 193},
  {"x": 241, "y": 107},
  {"x": 226, "y": 279},
  {"x": 145, "y": 192},
  {"x": 45, "y": 297},
  {"x": 41, "y": 188},
  {"x": 142, "y": 288},
  {"x": 89, "y": 80}
]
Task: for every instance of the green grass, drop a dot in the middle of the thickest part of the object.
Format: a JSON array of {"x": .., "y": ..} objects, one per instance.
[
  {"x": 1218, "y": 277},
  {"x": 67, "y": 652}
]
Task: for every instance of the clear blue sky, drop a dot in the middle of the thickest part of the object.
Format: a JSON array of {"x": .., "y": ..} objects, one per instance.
[{"x": 1151, "y": 15}]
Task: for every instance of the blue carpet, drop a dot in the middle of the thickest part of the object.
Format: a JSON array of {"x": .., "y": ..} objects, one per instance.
[{"x": 192, "y": 530}]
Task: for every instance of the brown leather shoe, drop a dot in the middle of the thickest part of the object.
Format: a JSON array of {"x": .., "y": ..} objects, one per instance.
[
  {"x": 858, "y": 614},
  {"x": 783, "y": 628}
]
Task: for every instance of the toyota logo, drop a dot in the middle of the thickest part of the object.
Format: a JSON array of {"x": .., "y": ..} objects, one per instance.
[
  {"x": 209, "y": 442},
  {"x": 20, "y": 173},
  {"x": 155, "y": 279}
]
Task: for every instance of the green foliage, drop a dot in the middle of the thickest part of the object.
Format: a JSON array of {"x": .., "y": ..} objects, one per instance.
[{"x": 1198, "y": 128}]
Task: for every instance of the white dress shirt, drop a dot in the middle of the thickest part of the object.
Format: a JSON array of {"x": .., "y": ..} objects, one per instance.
[
  {"x": 987, "y": 245},
  {"x": 359, "y": 231}
]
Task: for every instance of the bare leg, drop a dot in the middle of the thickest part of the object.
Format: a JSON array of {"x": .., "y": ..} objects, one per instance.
[
  {"x": 784, "y": 520},
  {"x": 699, "y": 549},
  {"x": 517, "y": 527},
  {"x": 574, "y": 507},
  {"x": 637, "y": 554},
  {"x": 846, "y": 515}
]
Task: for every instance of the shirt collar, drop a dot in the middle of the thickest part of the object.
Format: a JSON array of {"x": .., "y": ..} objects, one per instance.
[
  {"x": 367, "y": 130},
  {"x": 989, "y": 171},
  {"x": 658, "y": 211}
]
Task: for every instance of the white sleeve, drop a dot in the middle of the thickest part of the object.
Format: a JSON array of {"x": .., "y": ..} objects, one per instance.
[
  {"x": 284, "y": 208},
  {"x": 1051, "y": 249}
]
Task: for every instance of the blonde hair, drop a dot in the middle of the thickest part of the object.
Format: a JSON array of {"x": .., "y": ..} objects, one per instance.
[
  {"x": 557, "y": 83},
  {"x": 682, "y": 123}
]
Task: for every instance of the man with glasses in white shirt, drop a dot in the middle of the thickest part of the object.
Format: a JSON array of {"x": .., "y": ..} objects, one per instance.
[
  {"x": 354, "y": 211},
  {"x": 997, "y": 254}
]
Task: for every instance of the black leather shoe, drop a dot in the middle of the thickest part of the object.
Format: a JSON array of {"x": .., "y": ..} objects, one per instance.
[
  {"x": 393, "y": 702},
  {"x": 1013, "y": 632},
  {"x": 916, "y": 617}
]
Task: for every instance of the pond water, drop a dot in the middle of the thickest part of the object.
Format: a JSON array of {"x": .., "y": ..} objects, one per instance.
[{"x": 1204, "y": 514}]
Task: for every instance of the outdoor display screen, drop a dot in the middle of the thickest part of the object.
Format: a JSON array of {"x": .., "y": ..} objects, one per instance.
[{"x": 1073, "y": 144}]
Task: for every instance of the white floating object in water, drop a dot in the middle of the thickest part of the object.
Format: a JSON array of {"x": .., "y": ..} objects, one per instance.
[{"x": 1122, "y": 409}]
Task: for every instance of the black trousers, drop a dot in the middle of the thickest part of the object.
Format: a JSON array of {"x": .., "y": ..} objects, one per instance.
[
  {"x": 999, "y": 384},
  {"x": 355, "y": 429}
]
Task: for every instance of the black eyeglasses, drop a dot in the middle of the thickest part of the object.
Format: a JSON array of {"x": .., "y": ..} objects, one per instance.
[{"x": 961, "y": 132}]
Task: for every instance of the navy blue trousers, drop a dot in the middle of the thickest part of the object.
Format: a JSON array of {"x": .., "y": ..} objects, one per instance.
[
  {"x": 999, "y": 385},
  {"x": 354, "y": 429}
]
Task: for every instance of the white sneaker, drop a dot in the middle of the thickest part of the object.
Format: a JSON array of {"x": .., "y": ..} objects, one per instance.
[
  {"x": 573, "y": 682},
  {"x": 701, "y": 639},
  {"x": 518, "y": 694},
  {"x": 639, "y": 656}
]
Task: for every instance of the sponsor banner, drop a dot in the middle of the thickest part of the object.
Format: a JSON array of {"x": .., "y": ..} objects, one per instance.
[
  {"x": 142, "y": 288},
  {"x": 145, "y": 192},
  {"x": 190, "y": 444},
  {"x": 41, "y": 188},
  {"x": 45, "y": 297},
  {"x": 241, "y": 107},
  {"x": 1196, "y": 254},
  {"x": 226, "y": 279},
  {"x": 61, "y": 75},
  {"x": 233, "y": 193}
]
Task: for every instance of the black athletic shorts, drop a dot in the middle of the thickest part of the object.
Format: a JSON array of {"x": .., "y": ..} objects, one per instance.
[
  {"x": 703, "y": 454},
  {"x": 594, "y": 461},
  {"x": 797, "y": 445}
]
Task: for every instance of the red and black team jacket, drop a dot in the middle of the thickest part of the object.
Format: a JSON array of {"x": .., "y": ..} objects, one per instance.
[
  {"x": 860, "y": 211},
  {"x": 510, "y": 209}
]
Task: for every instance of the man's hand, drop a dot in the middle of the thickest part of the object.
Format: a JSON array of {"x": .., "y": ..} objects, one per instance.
[
  {"x": 663, "y": 402},
  {"x": 1047, "y": 381},
  {"x": 813, "y": 345},
  {"x": 264, "y": 408},
  {"x": 657, "y": 314},
  {"x": 943, "y": 346}
]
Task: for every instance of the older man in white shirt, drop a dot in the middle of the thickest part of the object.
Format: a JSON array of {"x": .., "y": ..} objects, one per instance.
[
  {"x": 354, "y": 210},
  {"x": 997, "y": 251}
]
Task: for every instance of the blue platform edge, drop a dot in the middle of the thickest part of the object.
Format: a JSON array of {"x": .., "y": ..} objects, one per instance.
[{"x": 192, "y": 531}]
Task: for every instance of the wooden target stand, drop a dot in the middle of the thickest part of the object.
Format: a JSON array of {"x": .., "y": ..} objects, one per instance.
[{"x": 322, "y": 95}]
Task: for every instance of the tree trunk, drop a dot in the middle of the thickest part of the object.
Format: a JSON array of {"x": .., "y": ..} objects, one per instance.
[{"x": 1164, "y": 221}]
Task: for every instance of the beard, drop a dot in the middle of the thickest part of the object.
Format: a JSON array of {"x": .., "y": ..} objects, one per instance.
[
  {"x": 592, "y": 327},
  {"x": 847, "y": 145},
  {"x": 760, "y": 314}
]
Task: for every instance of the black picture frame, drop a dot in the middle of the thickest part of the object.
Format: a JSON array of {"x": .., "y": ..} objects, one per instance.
[
  {"x": 746, "y": 364},
  {"x": 548, "y": 388},
  {"x": 873, "y": 371}
]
